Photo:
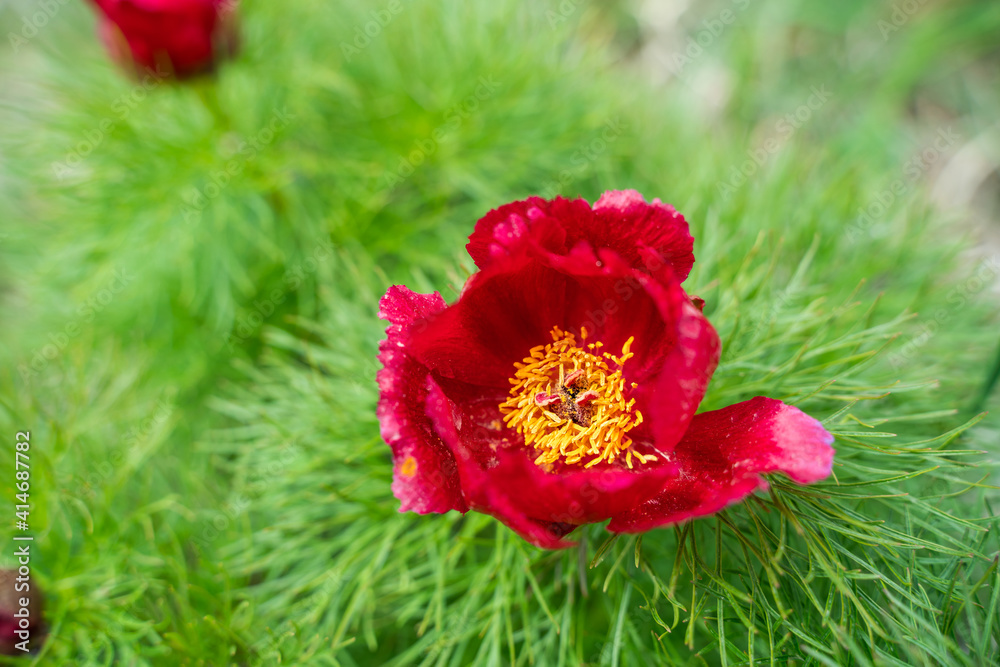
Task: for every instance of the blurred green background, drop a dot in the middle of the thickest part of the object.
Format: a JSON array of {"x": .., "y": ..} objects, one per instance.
[{"x": 194, "y": 353}]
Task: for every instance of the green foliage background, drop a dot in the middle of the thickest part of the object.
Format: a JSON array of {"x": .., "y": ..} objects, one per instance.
[{"x": 208, "y": 482}]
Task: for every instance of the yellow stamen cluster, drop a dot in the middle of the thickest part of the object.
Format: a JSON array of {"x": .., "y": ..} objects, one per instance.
[{"x": 569, "y": 404}]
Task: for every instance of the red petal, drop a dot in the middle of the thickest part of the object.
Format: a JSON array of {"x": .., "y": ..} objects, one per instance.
[
  {"x": 624, "y": 222},
  {"x": 504, "y": 229},
  {"x": 511, "y": 307},
  {"x": 425, "y": 478},
  {"x": 573, "y": 494},
  {"x": 483, "y": 491},
  {"x": 569, "y": 494},
  {"x": 503, "y": 312},
  {"x": 648, "y": 236},
  {"x": 676, "y": 348},
  {"x": 723, "y": 456},
  {"x": 672, "y": 384}
]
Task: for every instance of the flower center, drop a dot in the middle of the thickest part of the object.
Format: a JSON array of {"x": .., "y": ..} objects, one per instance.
[{"x": 569, "y": 403}]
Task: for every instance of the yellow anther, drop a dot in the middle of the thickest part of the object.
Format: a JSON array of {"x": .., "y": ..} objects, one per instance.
[
  {"x": 594, "y": 429},
  {"x": 409, "y": 467}
]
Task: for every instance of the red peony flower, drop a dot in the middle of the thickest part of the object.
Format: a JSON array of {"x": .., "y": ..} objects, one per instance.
[
  {"x": 169, "y": 38},
  {"x": 560, "y": 389}
]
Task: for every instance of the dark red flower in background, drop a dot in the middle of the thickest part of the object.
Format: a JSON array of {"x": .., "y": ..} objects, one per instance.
[
  {"x": 168, "y": 38},
  {"x": 561, "y": 387},
  {"x": 21, "y": 626}
]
